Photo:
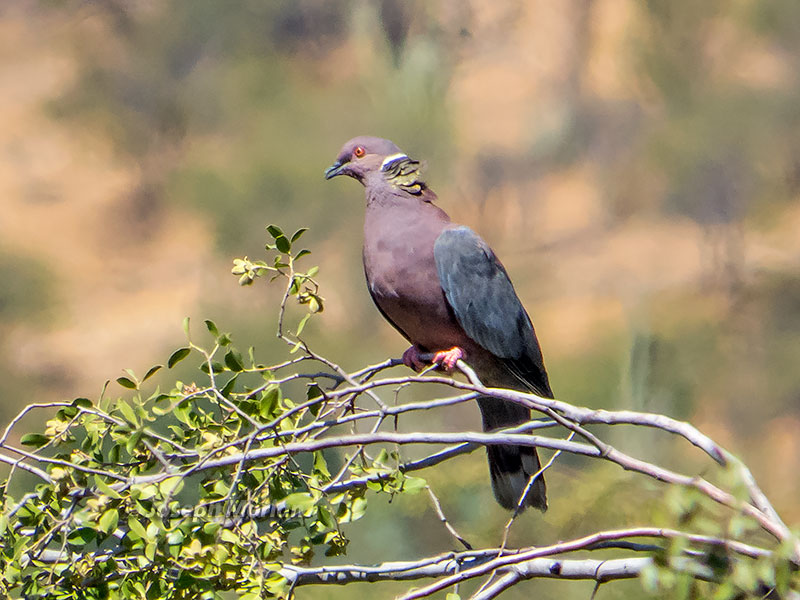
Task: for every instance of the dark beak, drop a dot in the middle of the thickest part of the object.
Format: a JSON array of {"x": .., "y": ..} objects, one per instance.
[{"x": 334, "y": 170}]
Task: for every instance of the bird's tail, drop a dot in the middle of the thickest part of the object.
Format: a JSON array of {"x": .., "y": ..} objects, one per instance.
[{"x": 511, "y": 467}]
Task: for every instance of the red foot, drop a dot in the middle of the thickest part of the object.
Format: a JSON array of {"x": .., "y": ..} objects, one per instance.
[
  {"x": 449, "y": 358},
  {"x": 412, "y": 360}
]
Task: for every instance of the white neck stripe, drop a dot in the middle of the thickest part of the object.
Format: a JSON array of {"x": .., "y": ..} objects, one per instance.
[{"x": 392, "y": 158}]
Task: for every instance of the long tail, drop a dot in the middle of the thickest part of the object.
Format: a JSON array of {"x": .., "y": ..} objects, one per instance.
[{"x": 511, "y": 467}]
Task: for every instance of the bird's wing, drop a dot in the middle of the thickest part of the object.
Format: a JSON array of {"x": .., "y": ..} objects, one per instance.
[{"x": 486, "y": 306}]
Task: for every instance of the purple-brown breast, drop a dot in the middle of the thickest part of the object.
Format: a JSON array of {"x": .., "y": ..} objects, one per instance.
[{"x": 401, "y": 270}]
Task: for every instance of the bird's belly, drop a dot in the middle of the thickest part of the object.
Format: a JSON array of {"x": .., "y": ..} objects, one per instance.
[{"x": 420, "y": 314}]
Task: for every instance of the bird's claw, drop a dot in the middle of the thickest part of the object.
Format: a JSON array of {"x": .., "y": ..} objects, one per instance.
[
  {"x": 411, "y": 359},
  {"x": 448, "y": 358},
  {"x": 445, "y": 358}
]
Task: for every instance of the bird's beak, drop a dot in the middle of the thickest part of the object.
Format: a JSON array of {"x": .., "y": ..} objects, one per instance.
[{"x": 334, "y": 170}]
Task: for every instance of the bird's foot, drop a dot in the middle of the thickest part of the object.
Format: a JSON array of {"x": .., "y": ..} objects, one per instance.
[
  {"x": 411, "y": 359},
  {"x": 449, "y": 358}
]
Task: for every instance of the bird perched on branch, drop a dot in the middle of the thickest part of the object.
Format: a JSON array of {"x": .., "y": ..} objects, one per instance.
[{"x": 441, "y": 286}]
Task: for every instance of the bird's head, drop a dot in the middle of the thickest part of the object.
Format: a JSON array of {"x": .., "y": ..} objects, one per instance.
[{"x": 363, "y": 155}]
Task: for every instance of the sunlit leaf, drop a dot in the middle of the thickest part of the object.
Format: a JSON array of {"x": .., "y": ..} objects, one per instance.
[
  {"x": 300, "y": 501},
  {"x": 170, "y": 486},
  {"x": 128, "y": 412},
  {"x": 108, "y": 521},
  {"x": 301, "y": 325},
  {"x": 105, "y": 489}
]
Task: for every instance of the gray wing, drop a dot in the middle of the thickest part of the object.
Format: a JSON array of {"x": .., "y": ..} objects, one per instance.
[{"x": 486, "y": 305}]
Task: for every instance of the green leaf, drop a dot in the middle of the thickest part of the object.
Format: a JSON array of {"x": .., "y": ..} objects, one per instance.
[
  {"x": 296, "y": 235},
  {"x": 312, "y": 271},
  {"x": 314, "y": 392},
  {"x": 216, "y": 367},
  {"x": 178, "y": 356},
  {"x": 228, "y": 387},
  {"x": 212, "y": 328},
  {"x": 302, "y": 324},
  {"x": 275, "y": 231},
  {"x": 229, "y": 536},
  {"x": 150, "y": 551},
  {"x": 145, "y": 491},
  {"x": 320, "y": 466},
  {"x": 82, "y": 403},
  {"x": 221, "y": 488},
  {"x": 383, "y": 459},
  {"x": 81, "y": 536},
  {"x": 353, "y": 510},
  {"x": 108, "y": 521},
  {"x": 233, "y": 359},
  {"x": 34, "y": 439},
  {"x": 151, "y": 372},
  {"x": 67, "y": 413},
  {"x": 175, "y": 538},
  {"x": 282, "y": 244},
  {"x": 106, "y": 489},
  {"x": 211, "y": 528},
  {"x": 300, "y": 501},
  {"x": 186, "y": 326},
  {"x": 269, "y": 401},
  {"x": 170, "y": 486},
  {"x": 302, "y": 253},
  {"x": 413, "y": 485},
  {"x": 326, "y": 518},
  {"x": 132, "y": 442},
  {"x": 128, "y": 413},
  {"x": 127, "y": 383}
]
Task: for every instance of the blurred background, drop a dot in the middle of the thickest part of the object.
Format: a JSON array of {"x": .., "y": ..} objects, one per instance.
[{"x": 636, "y": 165}]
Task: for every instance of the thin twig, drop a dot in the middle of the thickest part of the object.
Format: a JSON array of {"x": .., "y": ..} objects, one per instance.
[{"x": 437, "y": 506}]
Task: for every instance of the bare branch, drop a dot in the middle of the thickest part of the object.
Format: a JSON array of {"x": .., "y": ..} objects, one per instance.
[{"x": 516, "y": 559}]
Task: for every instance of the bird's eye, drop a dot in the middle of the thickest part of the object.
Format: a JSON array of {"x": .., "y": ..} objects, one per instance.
[{"x": 359, "y": 151}]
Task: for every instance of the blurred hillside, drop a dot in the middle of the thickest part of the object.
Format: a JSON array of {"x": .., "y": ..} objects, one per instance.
[{"x": 635, "y": 165}]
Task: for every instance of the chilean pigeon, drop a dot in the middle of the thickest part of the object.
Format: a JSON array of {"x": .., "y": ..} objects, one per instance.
[{"x": 441, "y": 286}]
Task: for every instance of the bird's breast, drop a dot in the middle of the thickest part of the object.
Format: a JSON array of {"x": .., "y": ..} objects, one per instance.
[{"x": 401, "y": 275}]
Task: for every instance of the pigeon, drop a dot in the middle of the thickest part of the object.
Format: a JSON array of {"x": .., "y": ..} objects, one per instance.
[{"x": 442, "y": 287}]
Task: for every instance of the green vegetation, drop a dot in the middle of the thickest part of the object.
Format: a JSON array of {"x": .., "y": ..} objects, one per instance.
[{"x": 251, "y": 476}]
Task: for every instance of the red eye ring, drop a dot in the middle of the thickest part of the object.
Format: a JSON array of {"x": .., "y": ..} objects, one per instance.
[{"x": 359, "y": 152}]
